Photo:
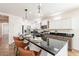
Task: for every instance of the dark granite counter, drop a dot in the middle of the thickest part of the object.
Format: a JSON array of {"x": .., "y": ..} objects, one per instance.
[
  {"x": 57, "y": 34},
  {"x": 53, "y": 47},
  {"x": 62, "y": 34}
]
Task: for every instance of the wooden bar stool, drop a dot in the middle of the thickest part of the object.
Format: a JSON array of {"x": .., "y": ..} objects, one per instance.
[
  {"x": 15, "y": 38},
  {"x": 24, "y": 52},
  {"x": 19, "y": 43}
]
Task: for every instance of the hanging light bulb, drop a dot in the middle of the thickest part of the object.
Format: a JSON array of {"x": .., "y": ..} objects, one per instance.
[
  {"x": 23, "y": 23},
  {"x": 25, "y": 14}
]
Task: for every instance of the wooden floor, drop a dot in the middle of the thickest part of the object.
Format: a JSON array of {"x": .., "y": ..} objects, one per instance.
[
  {"x": 5, "y": 49},
  {"x": 8, "y": 50},
  {"x": 73, "y": 53}
]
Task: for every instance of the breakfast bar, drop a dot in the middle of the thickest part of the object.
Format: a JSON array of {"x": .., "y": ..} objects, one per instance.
[{"x": 51, "y": 48}]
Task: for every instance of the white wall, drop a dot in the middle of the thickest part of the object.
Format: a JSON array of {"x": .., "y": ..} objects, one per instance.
[
  {"x": 15, "y": 23},
  {"x": 75, "y": 25}
]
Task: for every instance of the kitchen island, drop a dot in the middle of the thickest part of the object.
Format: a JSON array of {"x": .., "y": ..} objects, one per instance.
[
  {"x": 62, "y": 37},
  {"x": 51, "y": 48}
]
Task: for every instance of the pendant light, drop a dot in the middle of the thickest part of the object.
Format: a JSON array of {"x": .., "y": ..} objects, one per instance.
[
  {"x": 39, "y": 7},
  {"x": 25, "y": 13},
  {"x": 23, "y": 23}
]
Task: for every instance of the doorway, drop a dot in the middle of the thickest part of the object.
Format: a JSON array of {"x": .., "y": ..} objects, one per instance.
[
  {"x": 5, "y": 32},
  {"x": 4, "y": 35}
]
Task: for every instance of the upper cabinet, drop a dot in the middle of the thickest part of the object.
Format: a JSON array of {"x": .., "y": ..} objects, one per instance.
[
  {"x": 44, "y": 22},
  {"x": 60, "y": 24}
]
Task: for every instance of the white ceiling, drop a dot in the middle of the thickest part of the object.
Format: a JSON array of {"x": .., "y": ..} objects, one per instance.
[{"x": 46, "y": 8}]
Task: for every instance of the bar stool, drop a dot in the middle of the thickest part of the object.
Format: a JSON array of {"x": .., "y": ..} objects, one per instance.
[
  {"x": 15, "y": 38},
  {"x": 24, "y": 52},
  {"x": 19, "y": 43}
]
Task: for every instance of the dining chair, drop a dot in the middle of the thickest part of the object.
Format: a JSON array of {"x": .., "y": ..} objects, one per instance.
[
  {"x": 15, "y": 38},
  {"x": 19, "y": 43},
  {"x": 24, "y": 52}
]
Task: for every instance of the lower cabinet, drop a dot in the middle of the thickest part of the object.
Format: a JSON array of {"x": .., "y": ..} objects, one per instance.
[
  {"x": 63, "y": 39},
  {"x": 69, "y": 43},
  {"x": 62, "y": 52}
]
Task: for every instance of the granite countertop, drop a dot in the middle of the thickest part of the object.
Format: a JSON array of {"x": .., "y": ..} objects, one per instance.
[
  {"x": 54, "y": 45},
  {"x": 57, "y": 34},
  {"x": 62, "y": 34}
]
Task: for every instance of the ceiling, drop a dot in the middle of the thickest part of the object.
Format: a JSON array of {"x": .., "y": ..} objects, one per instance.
[{"x": 46, "y": 8}]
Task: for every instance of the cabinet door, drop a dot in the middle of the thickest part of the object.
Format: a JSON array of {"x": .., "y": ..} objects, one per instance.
[
  {"x": 44, "y": 22},
  {"x": 55, "y": 24},
  {"x": 60, "y": 24},
  {"x": 66, "y": 24}
]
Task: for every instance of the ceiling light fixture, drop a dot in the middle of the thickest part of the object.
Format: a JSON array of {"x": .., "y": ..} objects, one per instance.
[
  {"x": 25, "y": 14},
  {"x": 39, "y": 7}
]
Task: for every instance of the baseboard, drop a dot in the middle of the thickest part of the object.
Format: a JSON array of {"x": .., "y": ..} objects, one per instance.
[{"x": 75, "y": 50}]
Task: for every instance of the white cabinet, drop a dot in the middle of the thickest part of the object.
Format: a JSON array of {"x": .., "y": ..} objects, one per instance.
[
  {"x": 60, "y": 24},
  {"x": 62, "y": 52}
]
